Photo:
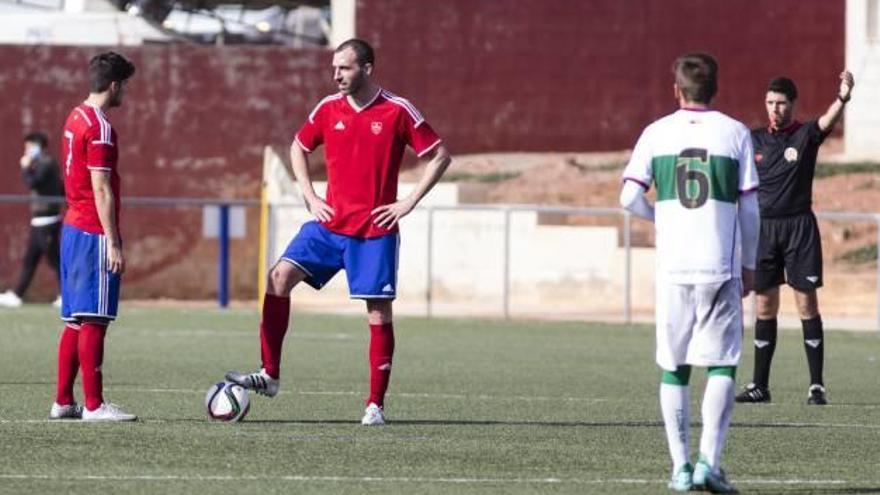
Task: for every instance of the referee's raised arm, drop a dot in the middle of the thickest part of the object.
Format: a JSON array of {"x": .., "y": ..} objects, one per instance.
[{"x": 835, "y": 110}]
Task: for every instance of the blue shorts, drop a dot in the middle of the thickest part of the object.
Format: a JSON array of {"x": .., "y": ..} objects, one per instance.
[
  {"x": 370, "y": 264},
  {"x": 88, "y": 289}
]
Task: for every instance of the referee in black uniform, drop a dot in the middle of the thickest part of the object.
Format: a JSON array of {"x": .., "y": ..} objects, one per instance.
[{"x": 789, "y": 248}]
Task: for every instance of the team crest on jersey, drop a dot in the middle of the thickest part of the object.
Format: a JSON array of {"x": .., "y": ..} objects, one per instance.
[
  {"x": 376, "y": 127},
  {"x": 791, "y": 155},
  {"x": 759, "y": 157}
]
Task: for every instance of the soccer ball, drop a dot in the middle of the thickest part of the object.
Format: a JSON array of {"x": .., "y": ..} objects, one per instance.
[{"x": 227, "y": 401}]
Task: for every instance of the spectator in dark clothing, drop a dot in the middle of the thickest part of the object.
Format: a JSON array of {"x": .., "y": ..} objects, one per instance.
[{"x": 41, "y": 174}]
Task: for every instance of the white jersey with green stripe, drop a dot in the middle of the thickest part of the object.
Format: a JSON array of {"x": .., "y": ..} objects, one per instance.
[{"x": 700, "y": 162}]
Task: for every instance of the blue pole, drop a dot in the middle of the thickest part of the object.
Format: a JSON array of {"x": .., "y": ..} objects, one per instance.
[{"x": 223, "y": 267}]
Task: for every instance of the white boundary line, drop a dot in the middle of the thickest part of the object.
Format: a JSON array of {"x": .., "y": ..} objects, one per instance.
[{"x": 397, "y": 479}]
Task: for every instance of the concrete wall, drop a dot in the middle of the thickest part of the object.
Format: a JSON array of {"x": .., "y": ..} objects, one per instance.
[
  {"x": 569, "y": 271},
  {"x": 555, "y": 271},
  {"x": 344, "y": 22},
  {"x": 863, "y": 58}
]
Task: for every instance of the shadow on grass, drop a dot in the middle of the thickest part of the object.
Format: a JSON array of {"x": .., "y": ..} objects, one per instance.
[{"x": 454, "y": 422}]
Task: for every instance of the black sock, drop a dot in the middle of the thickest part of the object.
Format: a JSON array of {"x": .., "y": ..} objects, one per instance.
[
  {"x": 814, "y": 344},
  {"x": 765, "y": 345}
]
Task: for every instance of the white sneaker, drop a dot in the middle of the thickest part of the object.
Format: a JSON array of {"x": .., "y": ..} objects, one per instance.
[
  {"x": 259, "y": 381},
  {"x": 107, "y": 412},
  {"x": 10, "y": 299},
  {"x": 57, "y": 302},
  {"x": 373, "y": 415},
  {"x": 71, "y": 411}
]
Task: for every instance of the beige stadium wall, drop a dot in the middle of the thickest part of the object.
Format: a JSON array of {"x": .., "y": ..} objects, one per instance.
[
  {"x": 863, "y": 58},
  {"x": 555, "y": 271}
]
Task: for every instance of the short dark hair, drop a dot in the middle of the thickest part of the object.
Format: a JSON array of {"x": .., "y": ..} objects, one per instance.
[
  {"x": 696, "y": 75},
  {"x": 37, "y": 137},
  {"x": 106, "y": 68},
  {"x": 363, "y": 52},
  {"x": 783, "y": 85}
]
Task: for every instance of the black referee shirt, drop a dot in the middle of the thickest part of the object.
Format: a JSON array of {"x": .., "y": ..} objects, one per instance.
[{"x": 786, "y": 161}]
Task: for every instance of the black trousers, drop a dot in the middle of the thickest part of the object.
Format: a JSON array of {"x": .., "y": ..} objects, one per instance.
[{"x": 42, "y": 241}]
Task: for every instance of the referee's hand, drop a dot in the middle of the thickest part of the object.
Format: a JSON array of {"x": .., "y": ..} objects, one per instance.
[
  {"x": 847, "y": 82},
  {"x": 748, "y": 280}
]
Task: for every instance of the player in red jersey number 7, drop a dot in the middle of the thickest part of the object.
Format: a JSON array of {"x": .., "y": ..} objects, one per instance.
[
  {"x": 365, "y": 130},
  {"x": 91, "y": 247}
]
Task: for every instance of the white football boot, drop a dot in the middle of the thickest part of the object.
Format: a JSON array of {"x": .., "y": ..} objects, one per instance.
[
  {"x": 72, "y": 411},
  {"x": 10, "y": 299},
  {"x": 373, "y": 416},
  {"x": 258, "y": 381},
  {"x": 107, "y": 413}
]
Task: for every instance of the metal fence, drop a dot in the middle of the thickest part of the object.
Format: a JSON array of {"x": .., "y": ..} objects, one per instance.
[{"x": 505, "y": 211}]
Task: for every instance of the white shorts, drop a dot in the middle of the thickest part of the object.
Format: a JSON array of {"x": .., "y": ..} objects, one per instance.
[{"x": 699, "y": 324}]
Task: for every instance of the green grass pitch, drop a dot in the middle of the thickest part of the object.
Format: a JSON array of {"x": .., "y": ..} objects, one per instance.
[{"x": 476, "y": 406}]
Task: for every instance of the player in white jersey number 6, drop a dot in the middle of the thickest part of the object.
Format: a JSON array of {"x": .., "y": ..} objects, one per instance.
[{"x": 706, "y": 219}]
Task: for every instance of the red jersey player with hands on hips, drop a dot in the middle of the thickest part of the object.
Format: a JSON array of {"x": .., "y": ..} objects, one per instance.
[
  {"x": 365, "y": 130},
  {"x": 91, "y": 248}
]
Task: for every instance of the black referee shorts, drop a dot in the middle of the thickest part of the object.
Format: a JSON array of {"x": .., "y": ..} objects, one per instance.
[{"x": 789, "y": 250}]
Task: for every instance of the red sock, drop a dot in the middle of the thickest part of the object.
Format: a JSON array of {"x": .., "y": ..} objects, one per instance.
[
  {"x": 68, "y": 364},
  {"x": 91, "y": 357},
  {"x": 381, "y": 352},
  {"x": 276, "y": 313}
]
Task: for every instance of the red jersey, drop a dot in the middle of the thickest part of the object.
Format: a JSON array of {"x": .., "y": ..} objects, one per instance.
[
  {"x": 89, "y": 143},
  {"x": 364, "y": 149}
]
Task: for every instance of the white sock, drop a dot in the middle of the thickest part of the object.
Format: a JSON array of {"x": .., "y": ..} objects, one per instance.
[
  {"x": 676, "y": 406},
  {"x": 717, "y": 409}
]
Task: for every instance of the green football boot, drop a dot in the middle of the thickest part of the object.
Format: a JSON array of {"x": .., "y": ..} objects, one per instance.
[
  {"x": 707, "y": 480},
  {"x": 682, "y": 480}
]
